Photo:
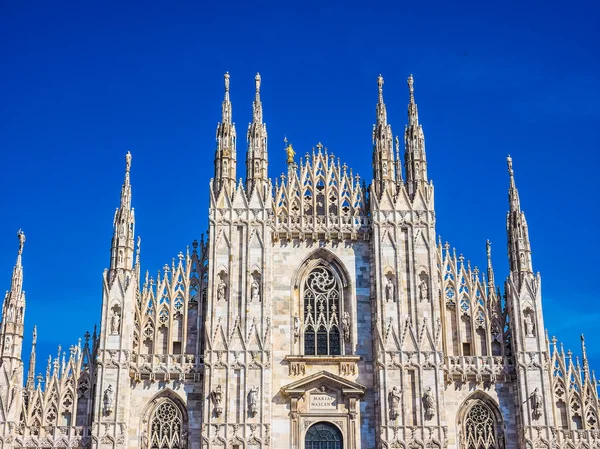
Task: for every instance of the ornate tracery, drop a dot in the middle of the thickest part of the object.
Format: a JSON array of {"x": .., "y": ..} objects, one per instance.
[
  {"x": 322, "y": 294},
  {"x": 166, "y": 427},
  {"x": 480, "y": 428}
]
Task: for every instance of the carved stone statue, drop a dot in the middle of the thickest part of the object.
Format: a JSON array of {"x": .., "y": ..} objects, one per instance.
[
  {"x": 217, "y": 397},
  {"x": 115, "y": 323},
  {"x": 423, "y": 291},
  {"x": 296, "y": 327},
  {"x": 253, "y": 401},
  {"x": 108, "y": 400},
  {"x": 255, "y": 291},
  {"x": 221, "y": 290},
  {"x": 389, "y": 291},
  {"x": 394, "y": 402},
  {"x": 10, "y": 314},
  {"x": 528, "y": 325},
  {"x": 21, "y": 236},
  {"x": 346, "y": 326},
  {"x": 536, "y": 403},
  {"x": 429, "y": 403}
]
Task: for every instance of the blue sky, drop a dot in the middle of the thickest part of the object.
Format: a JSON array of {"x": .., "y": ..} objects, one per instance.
[{"x": 85, "y": 82}]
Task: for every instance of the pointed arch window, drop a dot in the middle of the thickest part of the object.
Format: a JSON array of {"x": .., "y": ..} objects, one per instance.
[
  {"x": 482, "y": 427},
  {"x": 322, "y": 298},
  {"x": 166, "y": 427}
]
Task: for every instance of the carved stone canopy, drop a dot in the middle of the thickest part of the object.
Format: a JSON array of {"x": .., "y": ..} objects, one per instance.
[{"x": 323, "y": 378}]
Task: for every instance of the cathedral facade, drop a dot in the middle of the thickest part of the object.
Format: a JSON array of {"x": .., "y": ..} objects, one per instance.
[{"x": 317, "y": 313}]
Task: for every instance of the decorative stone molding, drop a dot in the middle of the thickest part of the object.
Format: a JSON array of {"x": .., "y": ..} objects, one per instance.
[{"x": 347, "y": 364}]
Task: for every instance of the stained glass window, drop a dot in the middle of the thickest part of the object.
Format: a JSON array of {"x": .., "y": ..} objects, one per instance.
[
  {"x": 165, "y": 427},
  {"x": 323, "y": 436},
  {"x": 321, "y": 313},
  {"x": 480, "y": 428}
]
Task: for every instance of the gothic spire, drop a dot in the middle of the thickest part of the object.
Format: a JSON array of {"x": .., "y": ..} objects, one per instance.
[
  {"x": 225, "y": 157},
  {"x": 256, "y": 157},
  {"x": 519, "y": 247},
  {"x": 257, "y": 105},
  {"x": 490, "y": 269},
  {"x": 586, "y": 368},
  {"x": 13, "y": 310},
  {"x": 126, "y": 190},
  {"x": 413, "y": 114},
  {"x": 384, "y": 168},
  {"x": 414, "y": 145},
  {"x": 31, "y": 372},
  {"x": 124, "y": 223},
  {"x": 381, "y": 110}
]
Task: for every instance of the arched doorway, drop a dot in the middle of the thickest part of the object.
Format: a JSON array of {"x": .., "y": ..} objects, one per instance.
[{"x": 323, "y": 435}]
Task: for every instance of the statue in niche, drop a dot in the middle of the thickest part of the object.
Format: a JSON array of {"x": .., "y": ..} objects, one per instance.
[
  {"x": 296, "y": 327},
  {"x": 429, "y": 403},
  {"x": 221, "y": 290},
  {"x": 115, "y": 323},
  {"x": 394, "y": 402},
  {"x": 217, "y": 397},
  {"x": 346, "y": 326},
  {"x": 108, "y": 400},
  {"x": 389, "y": 290},
  {"x": 536, "y": 403},
  {"x": 253, "y": 401},
  {"x": 528, "y": 325},
  {"x": 255, "y": 291},
  {"x": 385, "y": 169},
  {"x": 423, "y": 291}
]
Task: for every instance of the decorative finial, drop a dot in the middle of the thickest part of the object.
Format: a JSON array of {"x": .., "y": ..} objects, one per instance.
[
  {"x": 128, "y": 162},
  {"x": 226, "y": 82},
  {"x": 488, "y": 248},
  {"x": 583, "y": 351},
  {"x": 257, "y": 82},
  {"x": 21, "y": 237},
  {"x": 34, "y": 340},
  {"x": 380, "y": 86},
  {"x": 411, "y": 88}
]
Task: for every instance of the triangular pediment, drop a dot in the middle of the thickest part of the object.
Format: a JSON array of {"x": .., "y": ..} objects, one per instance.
[{"x": 323, "y": 378}]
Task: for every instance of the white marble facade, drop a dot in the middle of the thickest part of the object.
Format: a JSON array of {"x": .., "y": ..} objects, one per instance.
[{"x": 315, "y": 309}]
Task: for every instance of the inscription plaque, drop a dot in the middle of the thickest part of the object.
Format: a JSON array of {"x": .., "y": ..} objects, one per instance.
[{"x": 322, "y": 401}]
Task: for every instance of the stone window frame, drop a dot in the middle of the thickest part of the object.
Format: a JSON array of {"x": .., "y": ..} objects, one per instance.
[
  {"x": 325, "y": 258},
  {"x": 150, "y": 410},
  {"x": 480, "y": 398}
]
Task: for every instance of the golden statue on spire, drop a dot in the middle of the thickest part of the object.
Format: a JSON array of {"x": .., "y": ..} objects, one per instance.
[{"x": 289, "y": 150}]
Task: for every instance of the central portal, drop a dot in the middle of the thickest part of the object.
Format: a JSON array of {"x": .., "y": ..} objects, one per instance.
[{"x": 323, "y": 435}]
